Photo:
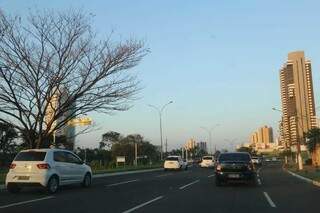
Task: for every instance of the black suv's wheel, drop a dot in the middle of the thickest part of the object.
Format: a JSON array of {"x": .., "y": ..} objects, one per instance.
[
  {"x": 13, "y": 188},
  {"x": 53, "y": 185},
  {"x": 87, "y": 180},
  {"x": 253, "y": 181},
  {"x": 218, "y": 182}
]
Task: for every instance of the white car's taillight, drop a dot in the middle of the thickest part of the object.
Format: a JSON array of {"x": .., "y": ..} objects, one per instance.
[
  {"x": 43, "y": 166},
  {"x": 12, "y": 166}
]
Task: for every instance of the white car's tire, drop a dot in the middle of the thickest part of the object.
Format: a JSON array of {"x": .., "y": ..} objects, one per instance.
[
  {"x": 53, "y": 185},
  {"x": 87, "y": 180}
]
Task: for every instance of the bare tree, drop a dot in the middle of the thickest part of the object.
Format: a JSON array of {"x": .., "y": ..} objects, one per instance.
[{"x": 53, "y": 69}]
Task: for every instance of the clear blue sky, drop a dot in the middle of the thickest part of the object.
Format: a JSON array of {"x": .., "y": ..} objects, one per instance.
[{"x": 217, "y": 60}]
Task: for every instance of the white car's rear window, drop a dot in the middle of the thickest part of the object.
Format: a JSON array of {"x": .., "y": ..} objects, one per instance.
[
  {"x": 172, "y": 159},
  {"x": 30, "y": 156},
  {"x": 207, "y": 158}
]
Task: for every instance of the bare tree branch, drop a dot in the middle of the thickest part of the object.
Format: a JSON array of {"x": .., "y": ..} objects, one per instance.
[{"x": 53, "y": 69}]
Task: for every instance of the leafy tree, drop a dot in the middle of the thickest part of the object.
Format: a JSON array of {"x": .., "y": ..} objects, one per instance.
[
  {"x": 313, "y": 143},
  {"x": 8, "y": 145},
  {"x": 53, "y": 68},
  {"x": 313, "y": 138},
  {"x": 109, "y": 138},
  {"x": 126, "y": 147}
]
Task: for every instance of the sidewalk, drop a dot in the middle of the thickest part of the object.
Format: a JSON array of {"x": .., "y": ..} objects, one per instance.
[
  {"x": 2, "y": 187},
  {"x": 309, "y": 174}
]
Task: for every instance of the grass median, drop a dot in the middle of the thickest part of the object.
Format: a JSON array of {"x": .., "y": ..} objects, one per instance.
[
  {"x": 100, "y": 170},
  {"x": 125, "y": 168},
  {"x": 310, "y": 172}
]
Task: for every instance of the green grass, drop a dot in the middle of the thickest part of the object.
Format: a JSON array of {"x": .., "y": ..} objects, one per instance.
[{"x": 123, "y": 169}]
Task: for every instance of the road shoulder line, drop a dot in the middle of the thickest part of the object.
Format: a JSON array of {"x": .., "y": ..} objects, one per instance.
[
  {"x": 308, "y": 180},
  {"x": 25, "y": 202}
]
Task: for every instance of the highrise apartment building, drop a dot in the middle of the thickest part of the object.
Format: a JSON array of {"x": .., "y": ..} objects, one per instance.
[
  {"x": 68, "y": 131},
  {"x": 264, "y": 135},
  {"x": 298, "y": 107}
]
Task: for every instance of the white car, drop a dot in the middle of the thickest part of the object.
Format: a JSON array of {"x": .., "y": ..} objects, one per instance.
[
  {"x": 49, "y": 168},
  {"x": 175, "y": 163},
  {"x": 207, "y": 162}
]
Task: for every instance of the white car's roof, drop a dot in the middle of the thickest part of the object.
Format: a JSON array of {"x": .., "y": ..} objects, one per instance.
[
  {"x": 43, "y": 150},
  {"x": 173, "y": 156}
]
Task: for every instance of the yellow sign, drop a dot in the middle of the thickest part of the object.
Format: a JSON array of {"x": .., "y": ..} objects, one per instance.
[{"x": 84, "y": 121}]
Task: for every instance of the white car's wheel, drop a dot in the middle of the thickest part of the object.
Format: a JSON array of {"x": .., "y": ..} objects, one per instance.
[
  {"x": 53, "y": 185},
  {"x": 87, "y": 180}
]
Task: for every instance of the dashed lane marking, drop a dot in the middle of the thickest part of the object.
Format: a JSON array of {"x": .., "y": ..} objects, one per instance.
[
  {"x": 143, "y": 204},
  {"x": 164, "y": 175},
  {"x": 211, "y": 175},
  {"x": 269, "y": 200},
  {"x": 189, "y": 184},
  {"x": 124, "y": 182}
]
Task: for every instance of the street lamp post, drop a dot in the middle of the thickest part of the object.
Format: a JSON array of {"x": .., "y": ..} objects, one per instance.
[
  {"x": 299, "y": 157},
  {"x": 209, "y": 131},
  {"x": 231, "y": 142},
  {"x": 160, "y": 111}
]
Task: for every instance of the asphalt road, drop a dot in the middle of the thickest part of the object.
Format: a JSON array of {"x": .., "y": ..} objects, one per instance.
[{"x": 182, "y": 191}]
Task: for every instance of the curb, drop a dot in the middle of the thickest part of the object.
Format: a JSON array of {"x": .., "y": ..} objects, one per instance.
[
  {"x": 308, "y": 180},
  {"x": 125, "y": 173},
  {"x": 3, "y": 187}
]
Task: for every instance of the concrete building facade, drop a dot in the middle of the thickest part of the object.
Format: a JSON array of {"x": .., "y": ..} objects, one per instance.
[{"x": 297, "y": 97}]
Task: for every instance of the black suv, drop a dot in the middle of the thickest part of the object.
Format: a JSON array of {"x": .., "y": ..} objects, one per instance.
[{"x": 235, "y": 166}]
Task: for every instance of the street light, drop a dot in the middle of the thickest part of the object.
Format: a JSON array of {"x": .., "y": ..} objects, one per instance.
[
  {"x": 160, "y": 110},
  {"x": 231, "y": 142},
  {"x": 299, "y": 158},
  {"x": 209, "y": 131}
]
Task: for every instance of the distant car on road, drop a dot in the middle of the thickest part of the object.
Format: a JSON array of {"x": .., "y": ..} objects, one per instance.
[
  {"x": 175, "y": 162},
  {"x": 256, "y": 160},
  {"x": 207, "y": 162},
  {"x": 234, "y": 166},
  {"x": 49, "y": 168}
]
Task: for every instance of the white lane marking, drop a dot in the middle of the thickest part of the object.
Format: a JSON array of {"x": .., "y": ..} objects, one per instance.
[
  {"x": 211, "y": 175},
  {"x": 143, "y": 204},
  {"x": 259, "y": 182},
  {"x": 25, "y": 202},
  {"x": 124, "y": 182},
  {"x": 164, "y": 175},
  {"x": 269, "y": 200},
  {"x": 189, "y": 184}
]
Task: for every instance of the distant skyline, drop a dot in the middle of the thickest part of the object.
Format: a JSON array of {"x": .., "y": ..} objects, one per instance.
[{"x": 218, "y": 61}]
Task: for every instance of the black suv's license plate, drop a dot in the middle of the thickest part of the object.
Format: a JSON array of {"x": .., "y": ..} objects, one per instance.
[
  {"x": 23, "y": 178},
  {"x": 234, "y": 176}
]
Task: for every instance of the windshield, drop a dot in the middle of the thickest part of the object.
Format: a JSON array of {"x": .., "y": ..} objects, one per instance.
[
  {"x": 172, "y": 159},
  {"x": 30, "y": 156},
  {"x": 234, "y": 157}
]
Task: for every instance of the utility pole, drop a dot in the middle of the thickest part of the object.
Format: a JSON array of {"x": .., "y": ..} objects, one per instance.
[
  {"x": 166, "y": 145},
  {"x": 136, "y": 154}
]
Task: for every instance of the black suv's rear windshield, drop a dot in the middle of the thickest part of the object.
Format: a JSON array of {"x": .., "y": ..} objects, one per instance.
[
  {"x": 234, "y": 157},
  {"x": 30, "y": 156},
  {"x": 207, "y": 158},
  {"x": 172, "y": 158}
]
